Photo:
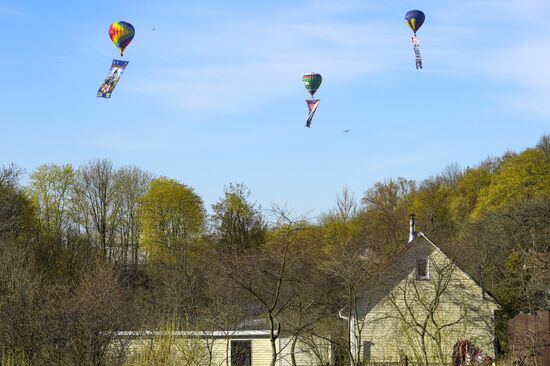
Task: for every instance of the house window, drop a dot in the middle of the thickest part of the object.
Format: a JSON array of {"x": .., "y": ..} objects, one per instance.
[
  {"x": 366, "y": 351},
  {"x": 241, "y": 353},
  {"x": 422, "y": 270}
]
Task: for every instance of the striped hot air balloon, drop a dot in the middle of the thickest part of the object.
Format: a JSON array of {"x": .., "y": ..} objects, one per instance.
[
  {"x": 121, "y": 33},
  {"x": 312, "y": 82}
]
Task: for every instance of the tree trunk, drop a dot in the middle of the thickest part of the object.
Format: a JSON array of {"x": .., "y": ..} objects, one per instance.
[{"x": 292, "y": 350}]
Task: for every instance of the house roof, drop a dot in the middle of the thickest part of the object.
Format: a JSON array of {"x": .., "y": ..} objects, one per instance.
[
  {"x": 394, "y": 258},
  {"x": 491, "y": 296},
  {"x": 197, "y": 334}
]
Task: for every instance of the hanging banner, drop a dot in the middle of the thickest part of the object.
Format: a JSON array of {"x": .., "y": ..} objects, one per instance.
[
  {"x": 418, "y": 58},
  {"x": 110, "y": 82},
  {"x": 312, "y": 105}
]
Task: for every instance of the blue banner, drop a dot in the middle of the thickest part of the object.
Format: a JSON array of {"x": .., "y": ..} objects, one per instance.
[{"x": 110, "y": 82}]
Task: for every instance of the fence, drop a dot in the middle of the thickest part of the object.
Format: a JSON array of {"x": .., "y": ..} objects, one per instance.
[{"x": 529, "y": 338}]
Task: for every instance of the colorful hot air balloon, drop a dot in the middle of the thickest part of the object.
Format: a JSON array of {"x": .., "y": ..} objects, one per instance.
[
  {"x": 415, "y": 19},
  {"x": 121, "y": 34},
  {"x": 312, "y": 82}
]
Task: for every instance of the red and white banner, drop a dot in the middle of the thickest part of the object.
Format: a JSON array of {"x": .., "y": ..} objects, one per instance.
[{"x": 312, "y": 105}]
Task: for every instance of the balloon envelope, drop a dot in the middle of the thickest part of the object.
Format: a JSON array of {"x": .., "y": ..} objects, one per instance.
[
  {"x": 415, "y": 19},
  {"x": 121, "y": 33},
  {"x": 312, "y": 82}
]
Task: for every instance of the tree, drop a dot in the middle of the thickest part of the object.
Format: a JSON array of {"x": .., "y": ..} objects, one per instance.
[
  {"x": 386, "y": 209},
  {"x": 511, "y": 247},
  {"x": 91, "y": 312},
  {"x": 22, "y": 316},
  {"x": 238, "y": 223},
  {"x": 341, "y": 223},
  {"x": 172, "y": 215},
  {"x": 264, "y": 277},
  {"x": 430, "y": 204},
  {"x": 467, "y": 190},
  {"x": 433, "y": 313},
  {"x": 17, "y": 214},
  {"x": 417, "y": 307},
  {"x": 96, "y": 204},
  {"x": 50, "y": 189},
  {"x": 348, "y": 262},
  {"x": 132, "y": 186},
  {"x": 349, "y": 267},
  {"x": 520, "y": 176}
]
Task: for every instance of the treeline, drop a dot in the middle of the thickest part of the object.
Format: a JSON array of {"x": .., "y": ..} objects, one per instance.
[{"x": 89, "y": 251}]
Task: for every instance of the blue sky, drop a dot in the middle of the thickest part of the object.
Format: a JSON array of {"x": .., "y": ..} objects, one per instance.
[{"x": 213, "y": 91}]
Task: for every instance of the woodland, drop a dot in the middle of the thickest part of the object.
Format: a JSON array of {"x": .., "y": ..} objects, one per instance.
[{"x": 91, "y": 250}]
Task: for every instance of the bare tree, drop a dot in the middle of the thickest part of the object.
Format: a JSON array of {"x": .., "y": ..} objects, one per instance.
[
  {"x": 132, "y": 184},
  {"x": 96, "y": 203},
  {"x": 386, "y": 208},
  {"x": 434, "y": 306},
  {"x": 16, "y": 212},
  {"x": 265, "y": 276}
]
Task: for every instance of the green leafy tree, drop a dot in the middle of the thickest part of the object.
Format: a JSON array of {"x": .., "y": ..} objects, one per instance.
[
  {"x": 238, "y": 223},
  {"x": 172, "y": 214},
  {"x": 50, "y": 189},
  {"x": 467, "y": 191},
  {"x": 522, "y": 176},
  {"x": 430, "y": 204}
]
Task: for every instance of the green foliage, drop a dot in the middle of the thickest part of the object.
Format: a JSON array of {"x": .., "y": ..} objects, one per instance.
[
  {"x": 430, "y": 204},
  {"x": 50, "y": 189},
  {"x": 237, "y": 223},
  {"x": 520, "y": 177},
  {"x": 467, "y": 191},
  {"x": 172, "y": 215},
  {"x": 14, "y": 360},
  {"x": 168, "y": 349},
  {"x": 340, "y": 228},
  {"x": 68, "y": 239}
]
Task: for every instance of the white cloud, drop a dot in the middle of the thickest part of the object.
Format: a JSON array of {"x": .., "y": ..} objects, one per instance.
[
  {"x": 257, "y": 59},
  {"x": 237, "y": 64}
]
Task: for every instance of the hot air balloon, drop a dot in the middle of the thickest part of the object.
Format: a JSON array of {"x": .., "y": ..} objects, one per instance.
[
  {"x": 312, "y": 82},
  {"x": 121, "y": 34},
  {"x": 415, "y": 19}
]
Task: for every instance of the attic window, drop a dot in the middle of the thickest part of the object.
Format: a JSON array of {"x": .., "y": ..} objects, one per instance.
[{"x": 422, "y": 270}]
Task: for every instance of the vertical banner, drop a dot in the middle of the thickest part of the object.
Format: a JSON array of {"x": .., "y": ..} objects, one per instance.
[
  {"x": 417, "y": 57},
  {"x": 312, "y": 105},
  {"x": 110, "y": 82}
]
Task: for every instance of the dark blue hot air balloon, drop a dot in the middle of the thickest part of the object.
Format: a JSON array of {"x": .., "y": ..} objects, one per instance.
[{"x": 415, "y": 19}]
